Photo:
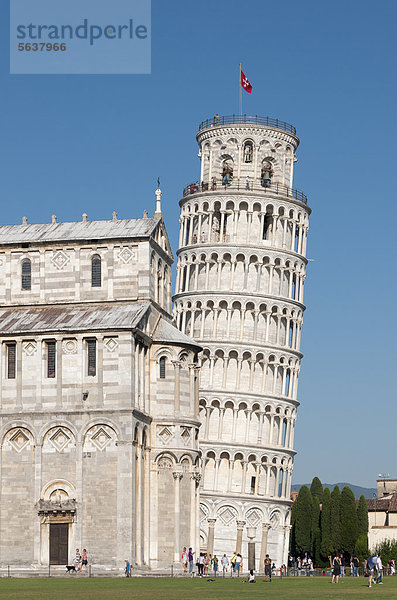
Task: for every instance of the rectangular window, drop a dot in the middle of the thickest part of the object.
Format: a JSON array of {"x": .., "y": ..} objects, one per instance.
[
  {"x": 91, "y": 357},
  {"x": 50, "y": 359},
  {"x": 11, "y": 360}
]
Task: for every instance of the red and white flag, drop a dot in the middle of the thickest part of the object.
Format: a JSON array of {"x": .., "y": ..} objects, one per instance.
[{"x": 245, "y": 84}]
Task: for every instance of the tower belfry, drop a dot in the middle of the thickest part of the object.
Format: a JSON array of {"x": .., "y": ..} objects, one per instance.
[{"x": 239, "y": 294}]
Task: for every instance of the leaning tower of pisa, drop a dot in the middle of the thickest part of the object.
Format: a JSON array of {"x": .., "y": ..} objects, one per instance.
[{"x": 239, "y": 294}]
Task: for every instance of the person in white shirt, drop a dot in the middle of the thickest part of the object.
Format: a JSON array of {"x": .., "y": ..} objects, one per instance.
[
  {"x": 251, "y": 577},
  {"x": 379, "y": 568},
  {"x": 225, "y": 563}
]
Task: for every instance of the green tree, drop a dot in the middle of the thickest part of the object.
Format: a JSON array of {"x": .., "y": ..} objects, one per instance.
[
  {"x": 335, "y": 520},
  {"x": 387, "y": 549},
  {"x": 316, "y": 489},
  {"x": 316, "y": 532},
  {"x": 326, "y": 536},
  {"x": 362, "y": 516},
  {"x": 348, "y": 520},
  {"x": 303, "y": 521},
  {"x": 292, "y": 541},
  {"x": 361, "y": 547}
]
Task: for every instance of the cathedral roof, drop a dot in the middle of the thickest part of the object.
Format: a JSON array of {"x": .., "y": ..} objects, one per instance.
[
  {"x": 70, "y": 318},
  {"x": 167, "y": 333},
  {"x": 80, "y": 230}
]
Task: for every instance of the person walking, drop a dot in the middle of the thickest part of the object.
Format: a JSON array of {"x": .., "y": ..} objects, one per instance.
[
  {"x": 200, "y": 564},
  {"x": 225, "y": 564},
  {"x": 184, "y": 559},
  {"x": 84, "y": 561},
  {"x": 379, "y": 568},
  {"x": 77, "y": 560},
  {"x": 342, "y": 565},
  {"x": 356, "y": 563},
  {"x": 237, "y": 565},
  {"x": 127, "y": 568},
  {"x": 206, "y": 562},
  {"x": 336, "y": 563},
  {"x": 268, "y": 568},
  {"x": 190, "y": 557},
  {"x": 371, "y": 564},
  {"x": 215, "y": 564},
  {"x": 233, "y": 562}
]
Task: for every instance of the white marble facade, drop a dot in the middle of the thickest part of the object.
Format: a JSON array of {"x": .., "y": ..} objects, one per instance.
[
  {"x": 98, "y": 397},
  {"x": 239, "y": 294},
  {"x": 111, "y": 438}
]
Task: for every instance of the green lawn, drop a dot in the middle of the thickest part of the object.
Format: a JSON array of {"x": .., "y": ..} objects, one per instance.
[{"x": 292, "y": 588}]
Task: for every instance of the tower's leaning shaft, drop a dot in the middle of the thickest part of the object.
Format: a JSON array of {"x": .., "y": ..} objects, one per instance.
[{"x": 239, "y": 294}]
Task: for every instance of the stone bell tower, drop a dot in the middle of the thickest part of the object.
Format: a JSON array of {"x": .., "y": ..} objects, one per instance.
[{"x": 239, "y": 294}]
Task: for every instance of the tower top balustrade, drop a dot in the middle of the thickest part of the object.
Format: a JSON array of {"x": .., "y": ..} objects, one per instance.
[
  {"x": 246, "y": 120},
  {"x": 246, "y": 186}
]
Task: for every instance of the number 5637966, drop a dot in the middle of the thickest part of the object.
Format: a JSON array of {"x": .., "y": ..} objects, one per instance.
[{"x": 41, "y": 47}]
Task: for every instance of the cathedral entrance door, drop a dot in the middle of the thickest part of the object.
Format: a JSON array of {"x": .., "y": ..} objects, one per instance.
[{"x": 59, "y": 533}]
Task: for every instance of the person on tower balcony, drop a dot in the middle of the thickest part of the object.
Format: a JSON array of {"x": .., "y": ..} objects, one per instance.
[{"x": 213, "y": 183}]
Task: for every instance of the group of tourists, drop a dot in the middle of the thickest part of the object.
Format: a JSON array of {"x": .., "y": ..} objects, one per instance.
[
  {"x": 306, "y": 564},
  {"x": 372, "y": 567},
  {"x": 80, "y": 561},
  {"x": 206, "y": 563}
]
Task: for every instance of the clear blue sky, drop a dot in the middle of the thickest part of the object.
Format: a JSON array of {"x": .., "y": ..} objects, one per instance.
[{"x": 74, "y": 144}]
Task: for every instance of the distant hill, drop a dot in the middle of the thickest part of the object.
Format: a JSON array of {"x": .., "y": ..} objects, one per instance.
[{"x": 356, "y": 489}]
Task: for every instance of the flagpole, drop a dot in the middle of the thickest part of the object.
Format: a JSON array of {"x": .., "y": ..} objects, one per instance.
[{"x": 241, "y": 94}]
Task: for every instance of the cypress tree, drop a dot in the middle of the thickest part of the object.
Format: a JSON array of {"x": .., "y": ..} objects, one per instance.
[
  {"x": 316, "y": 489},
  {"x": 303, "y": 521},
  {"x": 316, "y": 532},
  {"x": 361, "y": 547},
  {"x": 326, "y": 537},
  {"x": 349, "y": 524},
  {"x": 335, "y": 520},
  {"x": 292, "y": 541},
  {"x": 362, "y": 516}
]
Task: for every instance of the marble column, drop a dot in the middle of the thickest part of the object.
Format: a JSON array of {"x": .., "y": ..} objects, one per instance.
[
  {"x": 265, "y": 531},
  {"x": 211, "y": 532},
  {"x": 177, "y": 478},
  {"x": 251, "y": 533},
  {"x": 239, "y": 539}
]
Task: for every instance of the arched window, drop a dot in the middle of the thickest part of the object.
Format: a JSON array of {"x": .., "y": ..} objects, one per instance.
[
  {"x": 266, "y": 173},
  {"x": 96, "y": 275},
  {"x": 267, "y": 226},
  {"x": 248, "y": 152},
  {"x": 162, "y": 367},
  {"x": 26, "y": 274},
  {"x": 227, "y": 171}
]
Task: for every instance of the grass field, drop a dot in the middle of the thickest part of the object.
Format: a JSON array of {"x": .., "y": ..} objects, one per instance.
[{"x": 292, "y": 588}]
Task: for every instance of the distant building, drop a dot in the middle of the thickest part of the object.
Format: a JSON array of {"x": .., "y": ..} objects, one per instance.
[{"x": 382, "y": 513}]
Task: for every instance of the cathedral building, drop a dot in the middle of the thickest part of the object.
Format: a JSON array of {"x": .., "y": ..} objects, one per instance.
[
  {"x": 98, "y": 397},
  {"x": 239, "y": 294},
  {"x": 131, "y": 431}
]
